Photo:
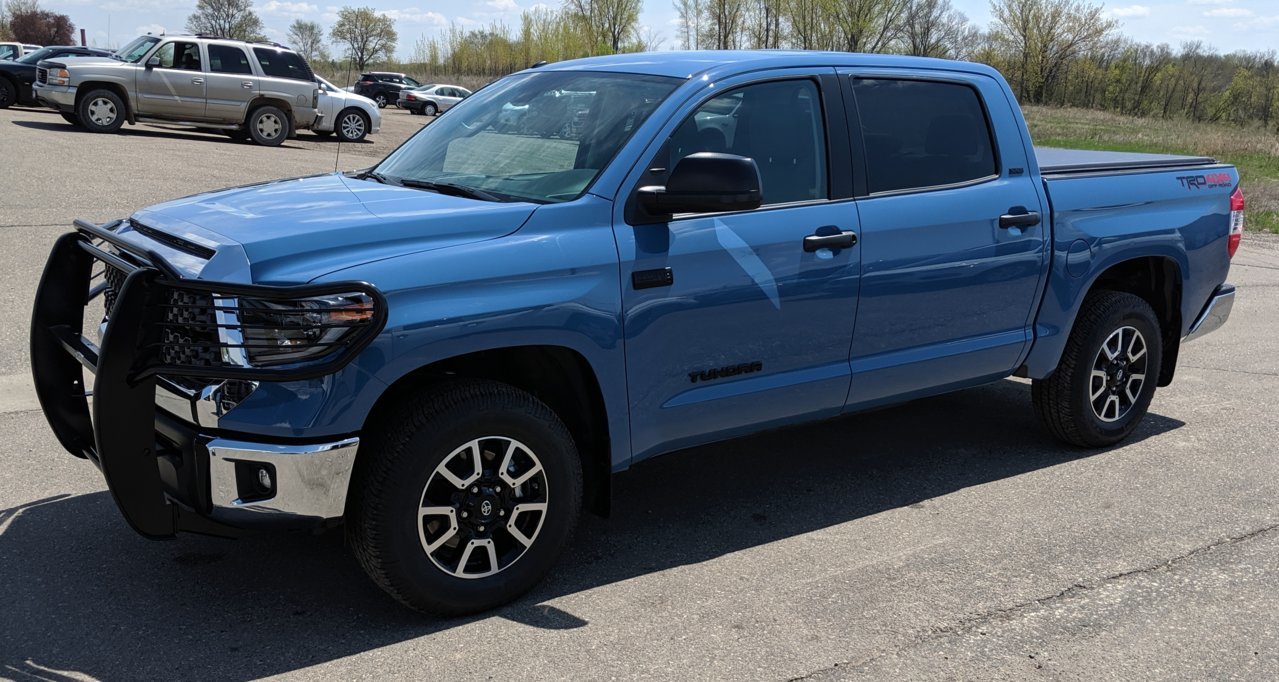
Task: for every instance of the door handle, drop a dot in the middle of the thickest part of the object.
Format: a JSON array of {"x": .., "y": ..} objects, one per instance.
[
  {"x": 1021, "y": 218},
  {"x": 838, "y": 240},
  {"x": 247, "y": 85},
  {"x": 197, "y": 81}
]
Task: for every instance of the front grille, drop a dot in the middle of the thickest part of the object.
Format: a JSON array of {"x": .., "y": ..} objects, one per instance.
[
  {"x": 42, "y": 75},
  {"x": 114, "y": 278},
  {"x": 190, "y": 336}
]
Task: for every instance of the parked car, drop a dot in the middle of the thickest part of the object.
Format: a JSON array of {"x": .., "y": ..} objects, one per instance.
[
  {"x": 383, "y": 87},
  {"x": 351, "y": 116},
  {"x": 16, "y": 76},
  {"x": 259, "y": 90},
  {"x": 454, "y": 350},
  {"x": 10, "y": 51},
  {"x": 431, "y": 99}
]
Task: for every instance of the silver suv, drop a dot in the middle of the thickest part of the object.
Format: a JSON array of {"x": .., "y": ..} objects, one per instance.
[{"x": 260, "y": 90}]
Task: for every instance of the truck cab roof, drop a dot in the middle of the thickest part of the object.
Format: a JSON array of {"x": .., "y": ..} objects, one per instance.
[{"x": 694, "y": 63}]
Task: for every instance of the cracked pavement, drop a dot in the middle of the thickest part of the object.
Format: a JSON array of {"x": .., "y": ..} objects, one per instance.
[{"x": 946, "y": 538}]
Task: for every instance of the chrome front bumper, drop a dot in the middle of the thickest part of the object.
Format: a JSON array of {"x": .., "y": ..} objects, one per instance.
[
  {"x": 308, "y": 483},
  {"x": 60, "y": 97},
  {"x": 1215, "y": 313}
]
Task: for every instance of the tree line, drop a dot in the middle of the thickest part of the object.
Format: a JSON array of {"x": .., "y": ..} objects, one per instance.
[{"x": 1058, "y": 52}]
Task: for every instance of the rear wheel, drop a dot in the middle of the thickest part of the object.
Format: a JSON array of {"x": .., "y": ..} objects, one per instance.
[
  {"x": 8, "y": 93},
  {"x": 381, "y": 101},
  {"x": 1107, "y": 375},
  {"x": 430, "y": 109},
  {"x": 465, "y": 498},
  {"x": 268, "y": 126},
  {"x": 101, "y": 111}
]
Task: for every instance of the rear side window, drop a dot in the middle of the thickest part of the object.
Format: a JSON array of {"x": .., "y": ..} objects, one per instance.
[
  {"x": 281, "y": 64},
  {"x": 228, "y": 59},
  {"x": 921, "y": 134}
]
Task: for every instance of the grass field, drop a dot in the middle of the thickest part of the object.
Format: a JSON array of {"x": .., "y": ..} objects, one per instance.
[{"x": 1254, "y": 151}]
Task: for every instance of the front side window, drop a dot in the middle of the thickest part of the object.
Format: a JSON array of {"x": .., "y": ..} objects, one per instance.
[
  {"x": 540, "y": 137},
  {"x": 9, "y": 51},
  {"x": 228, "y": 59},
  {"x": 178, "y": 55},
  {"x": 281, "y": 64},
  {"x": 135, "y": 50},
  {"x": 778, "y": 124},
  {"x": 921, "y": 134}
]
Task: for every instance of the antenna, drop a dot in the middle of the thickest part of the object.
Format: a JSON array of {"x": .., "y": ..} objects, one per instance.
[{"x": 338, "y": 157}]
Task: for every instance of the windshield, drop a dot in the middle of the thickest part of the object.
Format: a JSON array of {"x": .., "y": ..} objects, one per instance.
[
  {"x": 539, "y": 137},
  {"x": 36, "y": 56},
  {"x": 135, "y": 50}
]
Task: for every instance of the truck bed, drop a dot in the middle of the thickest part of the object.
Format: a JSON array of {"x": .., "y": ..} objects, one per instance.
[{"x": 1053, "y": 161}]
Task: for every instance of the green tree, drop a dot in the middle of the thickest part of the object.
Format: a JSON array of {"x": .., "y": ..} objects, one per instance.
[
  {"x": 226, "y": 18},
  {"x": 369, "y": 37},
  {"x": 1041, "y": 38}
]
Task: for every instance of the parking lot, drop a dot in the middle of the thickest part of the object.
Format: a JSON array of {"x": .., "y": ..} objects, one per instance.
[{"x": 946, "y": 538}]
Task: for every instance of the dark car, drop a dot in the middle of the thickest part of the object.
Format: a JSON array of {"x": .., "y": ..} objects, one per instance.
[
  {"x": 16, "y": 76},
  {"x": 384, "y": 87}
]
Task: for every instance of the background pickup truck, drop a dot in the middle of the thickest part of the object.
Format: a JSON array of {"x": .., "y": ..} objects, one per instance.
[
  {"x": 260, "y": 90},
  {"x": 591, "y": 263}
]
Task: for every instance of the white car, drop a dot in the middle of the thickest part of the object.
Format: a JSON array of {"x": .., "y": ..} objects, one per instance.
[
  {"x": 350, "y": 115},
  {"x": 431, "y": 99},
  {"x": 15, "y": 50}
]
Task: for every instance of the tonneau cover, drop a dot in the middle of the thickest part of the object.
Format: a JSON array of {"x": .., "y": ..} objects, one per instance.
[{"x": 1059, "y": 161}]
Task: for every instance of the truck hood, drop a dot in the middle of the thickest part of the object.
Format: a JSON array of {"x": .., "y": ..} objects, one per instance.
[
  {"x": 82, "y": 60},
  {"x": 292, "y": 231}
]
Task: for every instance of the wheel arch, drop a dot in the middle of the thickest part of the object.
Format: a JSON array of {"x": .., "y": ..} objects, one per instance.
[
  {"x": 1158, "y": 281},
  {"x": 559, "y": 376},
  {"x": 83, "y": 89},
  {"x": 261, "y": 101}
]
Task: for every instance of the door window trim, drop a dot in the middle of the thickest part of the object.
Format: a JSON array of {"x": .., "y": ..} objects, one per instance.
[
  {"x": 834, "y": 113},
  {"x": 859, "y": 153}
]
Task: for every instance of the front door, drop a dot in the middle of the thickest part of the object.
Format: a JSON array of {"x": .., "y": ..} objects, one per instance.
[
  {"x": 948, "y": 288},
  {"x": 730, "y": 324},
  {"x": 174, "y": 86}
]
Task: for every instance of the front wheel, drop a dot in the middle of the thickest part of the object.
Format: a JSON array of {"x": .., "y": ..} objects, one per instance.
[
  {"x": 1107, "y": 375},
  {"x": 352, "y": 125},
  {"x": 101, "y": 111},
  {"x": 464, "y": 498},
  {"x": 381, "y": 101},
  {"x": 430, "y": 109},
  {"x": 8, "y": 93}
]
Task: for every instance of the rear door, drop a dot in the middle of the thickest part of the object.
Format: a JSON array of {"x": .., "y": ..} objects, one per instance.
[
  {"x": 174, "y": 87},
  {"x": 948, "y": 283},
  {"x": 231, "y": 83},
  {"x": 730, "y": 323},
  {"x": 447, "y": 96},
  {"x": 286, "y": 76}
]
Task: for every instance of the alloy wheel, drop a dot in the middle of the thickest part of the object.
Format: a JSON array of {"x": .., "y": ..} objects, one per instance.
[
  {"x": 483, "y": 507},
  {"x": 352, "y": 126},
  {"x": 1118, "y": 374},
  {"x": 102, "y": 111}
]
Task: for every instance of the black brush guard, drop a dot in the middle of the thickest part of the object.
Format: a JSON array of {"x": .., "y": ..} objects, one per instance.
[{"x": 126, "y": 437}]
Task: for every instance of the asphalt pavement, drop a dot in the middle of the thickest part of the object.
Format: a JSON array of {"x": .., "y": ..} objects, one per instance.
[{"x": 948, "y": 538}]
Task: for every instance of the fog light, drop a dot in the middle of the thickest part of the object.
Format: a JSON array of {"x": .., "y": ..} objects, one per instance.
[{"x": 264, "y": 479}]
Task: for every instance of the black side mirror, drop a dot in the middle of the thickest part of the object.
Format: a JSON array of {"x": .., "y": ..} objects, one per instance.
[
  {"x": 705, "y": 182},
  {"x": 153, "y": 62}
]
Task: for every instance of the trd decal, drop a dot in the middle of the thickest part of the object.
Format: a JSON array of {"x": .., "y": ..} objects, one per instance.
[
  {"x": 721, "y": 372},
  {"x": 1209, "y": 181}
]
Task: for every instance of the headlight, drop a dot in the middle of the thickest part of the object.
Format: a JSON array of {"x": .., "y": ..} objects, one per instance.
[
  {"x": 59, "y": 77},
  {"x": 290, "y": 331}
]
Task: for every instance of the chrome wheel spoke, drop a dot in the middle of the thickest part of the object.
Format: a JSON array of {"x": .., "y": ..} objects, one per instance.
[
  {"x": 477, "y": 466},
  {"x": 471, "y": 546},
  {"x": 1136, "y": 348},
  {"x": 1098, "y": 375},
  {"x": 1132, "y": 394},
  {"x": 436, "y": 512}
]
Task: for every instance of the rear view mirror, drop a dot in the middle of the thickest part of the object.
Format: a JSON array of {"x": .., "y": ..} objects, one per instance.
[
  {"x": 153, "y": 62},
  {"x": 706, "y": 182}
]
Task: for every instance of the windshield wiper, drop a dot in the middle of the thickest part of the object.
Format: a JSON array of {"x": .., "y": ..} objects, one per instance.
[
  {"x": 377, "y": 177},
  {"x": 453, "y": 190}
]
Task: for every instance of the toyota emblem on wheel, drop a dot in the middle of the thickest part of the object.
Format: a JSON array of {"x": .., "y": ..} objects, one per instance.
[{"x": 486, "y": 508}]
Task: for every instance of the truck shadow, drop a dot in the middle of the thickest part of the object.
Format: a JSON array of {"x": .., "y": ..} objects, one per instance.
[
  {"x": 155, "y": 131},
  {"x": 81, "y": 594}
]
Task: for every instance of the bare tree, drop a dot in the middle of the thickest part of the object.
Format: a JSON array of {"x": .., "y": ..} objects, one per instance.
[
  {"x": 868, "y": 25},
  {"x": 764, "y": 23},
  {"x": 307, "y": 39},
  {"x": 610, "y": 22},
  {"x": 934, "y": 28},
  {"x": 723, "y": 28},
  {"x": 226, "y": 18},
  {"x": 41, "y": 27},
  {"x": 368, "y": 36},
  {"x": 1044, "y": 36},
  {"x": 690, "y": 23}
]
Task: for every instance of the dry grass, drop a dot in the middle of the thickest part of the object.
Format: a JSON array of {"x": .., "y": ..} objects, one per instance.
[{"x": 1253, "y": 150}]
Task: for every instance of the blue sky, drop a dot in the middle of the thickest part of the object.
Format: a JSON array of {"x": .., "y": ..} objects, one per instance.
[{"x": 1227, "y": 25}]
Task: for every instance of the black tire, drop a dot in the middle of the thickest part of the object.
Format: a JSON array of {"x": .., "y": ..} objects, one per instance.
[
  {"x": 381, "y": 101},
  {"x": 8, "y": 93},
  {"x": 430, "y": 109},
  {"x": 412, "y": 111},
  {"x": 100, "y": 111},
  {"x": 398, "y": 470},
  {"x": 268, "y": 126},
  {"x": 352, "y": 125},
  {"x": 1065, "y": 401},
  {"x": 70, "y": 118}
]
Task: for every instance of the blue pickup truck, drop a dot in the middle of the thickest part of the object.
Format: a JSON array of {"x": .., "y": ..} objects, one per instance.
[{"x": 590, "y": 263}]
